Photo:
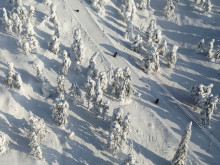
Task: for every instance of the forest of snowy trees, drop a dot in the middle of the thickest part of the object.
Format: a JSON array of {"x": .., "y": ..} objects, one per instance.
[{"x": 80, "y": 81}]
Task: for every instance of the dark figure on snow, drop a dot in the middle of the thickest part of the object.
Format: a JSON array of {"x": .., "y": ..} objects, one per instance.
[
  {"x": 115, "y": 54},
  {"x": 157, "y": 101},
  {"x": 77, "y": 11}
]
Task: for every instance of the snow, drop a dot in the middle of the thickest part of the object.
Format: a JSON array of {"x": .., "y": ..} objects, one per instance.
[{"x": 156, "y": 130}]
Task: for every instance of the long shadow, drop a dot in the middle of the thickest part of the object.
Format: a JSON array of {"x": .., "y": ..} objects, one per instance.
[
  {"x": 88, "y": 156},
  {"x": 155, "y": 159},
  {"x": 37, "y": 107},
  {"x": 13, "y": 130}
]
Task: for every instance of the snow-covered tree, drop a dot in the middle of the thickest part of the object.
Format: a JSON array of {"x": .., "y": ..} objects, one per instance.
[
  {"x": 6, "y": 21},
  {"x": 92, "y": 71},
  {"x": 118, "y": 79},
  {"x": 33, "y": 43},
  {"x": 13, "y": 79},
  {"x": 207, "y": 6},
  {"x": 150, "y": 31},
  {"x": 105, "y": 109},
  {"x": 53, "y": 16},
  {"x": 39, "y": 74},
  {"x": 97, "y": 101},
  {"x": 47, "y": 2},
  {"x": 90, "y": 90},
  {"x": 78, "y": 69},
  {"x": 103, "y": 81},
  {"x": 98, "y": 5},
  {"x": 129, "y": 30},
  {"x": 217, "y": 54},
  {"x": 5, "y": 16},
  {"x": 11, "y": 75},
  {"x": 57, "y": 30},
  {"x": 162, "y": 48},
  {"x": 66, "y": 63},
  {"x": 3, "y": 143},
  {"x": 26, "y": 48},
  {"x": 142, "y": 5},
  {"x": 157, "y": 36},
  {"x": 29, "y": 28},
  {"x": 31, "y": 11},
  {"x": 125, "y": 128},
  {"x": 209, "y": 107},
  {"x": 169, "y": 8},
  {"x": 19, "y": 44},
  {"x": 113, "y": 141},
  {"x": 54, "y": 44},
  {"x": 181, "y": 153},
  {"x": 18, "y": 25},
  {"x": 78, "y": 46},
  {"x": 18, "y": 81},
  {"x": 61, "y": 84},
  {"x": 38, "y": 132},
  {"x": 151, "y": 61},
  {"x": 60, "y": 108},
  {"x": 137, "y": 44},
  {"x": 118, "y": 115},
  {"x": 171, "y": 56},
  {"x": 210, "y": 48},
  {"x": 46, "y": 88},
  {"x": 200, "y": 93},
  {"x": 20, "y": 10},
  {"x": 130, "y": 160},
  {"x": 75, "y": 91},
  {"x": 200, "y": 47}
]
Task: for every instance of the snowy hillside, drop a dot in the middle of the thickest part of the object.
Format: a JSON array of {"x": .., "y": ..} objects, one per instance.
[{"x": 83, "y": 138}]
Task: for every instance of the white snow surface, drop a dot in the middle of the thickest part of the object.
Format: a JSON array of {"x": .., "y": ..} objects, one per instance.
[{"x": 156, "y": 129}]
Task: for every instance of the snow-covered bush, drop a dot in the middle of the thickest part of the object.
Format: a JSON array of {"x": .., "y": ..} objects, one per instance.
[
  {"x": 60, "y": 108},
  {"x": 78, "y": 69},
  {"x": 18, "y": 25},
  {"x": 97, "y": 101},
  {"x": 53, "y": 16},
  {"x": 66, "y": 63},
  {"x": 92, "y": 71},
  {"x": 90, "y": 90},
  {"x": 118, "y": 115},
  {"x": 3, "y": 143},
  {"x": 137, "y": 44},
  {"x": 98, "y": 5},
  {"x": 54, "y": 44},
  {"x": 57, "y": 30},
  {"x": 200, "y": 47},
  {"x": 210, "y": 48},
  {"x": 75, "y": 91},
  {"x": 181, "y": 153},
  {"x": 18, "y": 81},
  {"x": 162, "y": 48},
  {"x": 151, "y": 62},
  {"x": 207, "y": 6},
  {"x": 39, "y": 74},
  {"x": 171, "y": 56},
  {"x": 125, "y": 128},
  {"x": 105, "y": 109}
]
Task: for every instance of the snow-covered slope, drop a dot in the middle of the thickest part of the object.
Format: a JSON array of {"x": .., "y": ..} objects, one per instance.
[{"x": 156, "y": 129}]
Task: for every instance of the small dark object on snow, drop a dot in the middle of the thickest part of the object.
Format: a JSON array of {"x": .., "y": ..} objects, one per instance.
[
  {"x": 115, "y": 54},
  {"x": 77, "y": 11},
  {"x": 157, "y": 101}
]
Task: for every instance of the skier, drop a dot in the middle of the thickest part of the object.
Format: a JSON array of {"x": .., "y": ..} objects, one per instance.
[
  {"x": 157, "y": 101},
  {"x": 115, "y": 54}
]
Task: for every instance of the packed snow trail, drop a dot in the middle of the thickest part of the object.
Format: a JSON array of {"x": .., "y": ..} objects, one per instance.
[{"x": 96, "y": 33}]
